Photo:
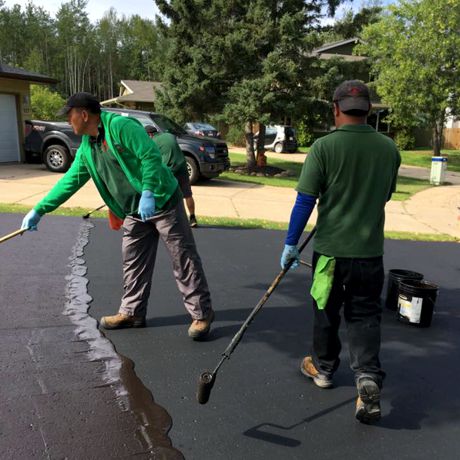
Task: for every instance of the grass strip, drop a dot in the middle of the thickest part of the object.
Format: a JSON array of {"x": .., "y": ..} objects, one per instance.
[
  {"x": 205, "y": 221},
  {"x": 422, "y": 158}
]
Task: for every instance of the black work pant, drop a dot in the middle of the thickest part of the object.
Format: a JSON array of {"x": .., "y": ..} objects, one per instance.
[{"x": 357, "y": 286}]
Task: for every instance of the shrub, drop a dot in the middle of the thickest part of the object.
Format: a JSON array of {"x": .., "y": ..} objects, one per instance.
[
  {"x": 305, "y": 135},
  {"x": 235, "y": 136},
  {"x": 45, "y": 104},
  {"x": 405, "y": 140}
]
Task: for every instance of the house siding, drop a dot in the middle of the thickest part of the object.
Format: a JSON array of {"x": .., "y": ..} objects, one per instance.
[{"x": 21, "y": 90}]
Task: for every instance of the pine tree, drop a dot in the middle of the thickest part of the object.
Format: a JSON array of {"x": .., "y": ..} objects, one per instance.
[{"x": 247, "y": 59}]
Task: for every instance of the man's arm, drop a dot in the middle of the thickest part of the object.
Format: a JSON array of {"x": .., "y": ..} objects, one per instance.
[
  {"x": 300, "y": 214},
  {"x": 308, "y": 189},
  {"x": 395, "y": 175},
  {"x": 73, "y": 180}
]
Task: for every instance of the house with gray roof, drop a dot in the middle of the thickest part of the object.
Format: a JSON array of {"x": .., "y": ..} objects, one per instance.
[{"x": 135, "y": 94}]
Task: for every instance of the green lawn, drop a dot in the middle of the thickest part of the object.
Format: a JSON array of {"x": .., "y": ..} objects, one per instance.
[
  {"x": 405, "y": 189},
  {"x": 423, "y": 158},
  {"x": 408, "y": 186},
  {"x": 77, "y": 212}
]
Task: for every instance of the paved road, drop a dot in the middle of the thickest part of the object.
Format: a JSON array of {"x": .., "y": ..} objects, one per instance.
[{"x": 261, "y": 406}]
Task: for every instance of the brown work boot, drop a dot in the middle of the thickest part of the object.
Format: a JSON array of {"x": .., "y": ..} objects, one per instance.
[
  {"x": 120, "y": 321},
  {"x": 308, "y": 369},
  {"x": 201, "y": 327},
  {"x": 368, "y": 402}
]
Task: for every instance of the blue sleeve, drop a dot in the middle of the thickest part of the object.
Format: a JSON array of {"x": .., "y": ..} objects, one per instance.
[{"x": 303, "y": 207}]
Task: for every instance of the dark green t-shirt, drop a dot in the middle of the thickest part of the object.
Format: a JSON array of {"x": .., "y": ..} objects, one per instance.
[
  {"x": 171, "y": 153},
  {"x": 353, "y": 172}
]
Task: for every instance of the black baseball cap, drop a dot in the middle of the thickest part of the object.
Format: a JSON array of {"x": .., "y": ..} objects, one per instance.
[
  {"x": 82, "y": 101},
  {"x": 352, "y": 95}
]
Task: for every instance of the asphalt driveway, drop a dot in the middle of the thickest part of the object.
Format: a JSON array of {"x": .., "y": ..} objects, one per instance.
[{"x": 261, "y": 406}]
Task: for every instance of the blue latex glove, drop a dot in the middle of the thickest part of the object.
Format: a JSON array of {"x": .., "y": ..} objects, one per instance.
[
  {"x": 147, "y": 205},
  {"x": 290, "y": 252},
  {"x": 31, "y": 220}
]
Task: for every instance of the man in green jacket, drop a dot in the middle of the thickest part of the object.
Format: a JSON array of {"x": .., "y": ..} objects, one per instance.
[
  {"x": 140, "y": 190},
  {"x": 352, "y": 173},
  {"x": 174, "y": 159}
]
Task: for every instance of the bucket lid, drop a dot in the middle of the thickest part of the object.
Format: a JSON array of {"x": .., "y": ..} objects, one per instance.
[
  {"x": 419, "y": 284},
  {"x": 400, "y": 273}
]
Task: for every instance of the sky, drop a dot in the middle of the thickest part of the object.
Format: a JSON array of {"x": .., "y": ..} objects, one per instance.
[
  {"x": 147, "y": 8},
  {"x": 355, "y": 5},
  {"x": 96, "y": 8}
]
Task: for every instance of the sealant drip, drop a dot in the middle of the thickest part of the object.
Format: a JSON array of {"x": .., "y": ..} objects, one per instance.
[{"x": 129, "y": 391}]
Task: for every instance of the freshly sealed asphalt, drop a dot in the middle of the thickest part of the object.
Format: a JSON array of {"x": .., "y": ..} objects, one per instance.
[
  {"x": 65, "y": 395},
  {"x": 261, "y": 407}
]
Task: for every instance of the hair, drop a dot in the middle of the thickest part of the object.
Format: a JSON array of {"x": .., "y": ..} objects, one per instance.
[
  {"x": 91, "y": 110},
  {"x": 356, "y": 113}
]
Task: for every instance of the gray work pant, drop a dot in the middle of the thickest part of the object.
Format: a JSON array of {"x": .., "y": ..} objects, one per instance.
[{"x": 139, "y": 249}]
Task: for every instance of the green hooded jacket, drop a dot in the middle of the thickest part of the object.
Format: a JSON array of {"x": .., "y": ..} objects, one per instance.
[{"x": 139, "y": 159}]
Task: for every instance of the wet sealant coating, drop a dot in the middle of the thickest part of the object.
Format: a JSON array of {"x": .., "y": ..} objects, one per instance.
[
  {"x": 64, "y": 392},
  {"x": 131, "y": 394},
  {"x": 261, "y": 406}
]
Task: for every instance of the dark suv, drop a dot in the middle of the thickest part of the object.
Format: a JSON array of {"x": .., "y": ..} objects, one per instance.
[
  {"x": 55, "y": 144},
  {"x": 206, "y": 157}
]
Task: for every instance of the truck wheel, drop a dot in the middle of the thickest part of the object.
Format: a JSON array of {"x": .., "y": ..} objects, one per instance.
[
  {"x": 57, "y": 158},
  {"x": 193, "y": 170},
  {"x": 279, "y": 147}
]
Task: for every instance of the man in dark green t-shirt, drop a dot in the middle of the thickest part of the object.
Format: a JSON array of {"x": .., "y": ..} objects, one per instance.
[
  {"x": 143, "y": 195},
  {"x": 352, "y": 173},
  {"x": 174, "y": 159}
]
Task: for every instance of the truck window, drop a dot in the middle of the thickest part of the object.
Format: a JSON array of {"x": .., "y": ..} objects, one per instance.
[
  {"x": 143, "y": 119},
  {"x": 167, "y": 125}
]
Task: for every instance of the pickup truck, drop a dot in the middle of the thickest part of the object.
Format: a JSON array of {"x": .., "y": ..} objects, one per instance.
[{"x": 55, "y": 144}]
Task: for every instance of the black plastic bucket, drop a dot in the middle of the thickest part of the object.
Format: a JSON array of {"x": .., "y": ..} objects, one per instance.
[
  {"x": 395, "y": 277},
  {"x": 416, "y": 302}
]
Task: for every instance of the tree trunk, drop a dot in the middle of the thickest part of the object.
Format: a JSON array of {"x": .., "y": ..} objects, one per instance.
[
  {"x": 438, "y": 135},
  {"x": 261, "y": 158},
  {"x": 250, "y": 156}
]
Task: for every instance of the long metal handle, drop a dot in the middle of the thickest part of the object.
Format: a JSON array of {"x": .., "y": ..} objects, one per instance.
[
  {"x": 12, "y": 235},
  {"x": 238, "y": 336},
  {"x": 94, "y": 210}
]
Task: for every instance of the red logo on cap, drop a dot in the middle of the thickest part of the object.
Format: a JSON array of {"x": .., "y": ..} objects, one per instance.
[{"x": 354, "y": 91}]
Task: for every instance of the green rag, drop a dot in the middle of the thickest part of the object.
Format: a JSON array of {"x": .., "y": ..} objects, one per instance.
[{"x": 323, "y": 280}]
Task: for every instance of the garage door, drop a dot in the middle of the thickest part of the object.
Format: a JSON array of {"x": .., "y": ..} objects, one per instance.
[{"x": 9, "y": 139}]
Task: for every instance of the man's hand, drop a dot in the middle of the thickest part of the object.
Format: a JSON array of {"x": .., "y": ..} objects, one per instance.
[
  {"x": 31, "y": 220},
  {"x": 147, "y": 205},
  {"x": 290, "y": 252}
]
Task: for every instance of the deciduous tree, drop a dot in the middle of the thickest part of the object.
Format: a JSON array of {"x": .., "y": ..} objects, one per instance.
[
  {"x": 45, "y": 103},
  {"x": 415, "y": 52}
]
